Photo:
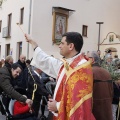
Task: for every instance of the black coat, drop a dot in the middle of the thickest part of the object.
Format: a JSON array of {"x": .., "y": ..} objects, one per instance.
[
  {"x": 116, "y": 94},
  {"x": 41, "y": 90},
  {"x": 6, "y": 86},
  {"x": 45, "y": 78},
  {"x": 21, "y": 79}
]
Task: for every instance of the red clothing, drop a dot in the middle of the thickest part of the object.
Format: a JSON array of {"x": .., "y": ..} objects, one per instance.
[
  {"x": 75, "y": 92},
  {"x": 86, "y": 57},
  {"x": 20, "y": 108},
  {"x": 76, "y": 102}
]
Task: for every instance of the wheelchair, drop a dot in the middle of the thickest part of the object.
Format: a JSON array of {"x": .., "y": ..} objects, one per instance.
[{"x": 7, "y": 105}]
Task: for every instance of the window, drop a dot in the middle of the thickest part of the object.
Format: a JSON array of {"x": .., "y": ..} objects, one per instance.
[
  {"x": 0, "y": 25},
  {"x": 0, "y": 51},
  {"x": 9, "y": 24},
  {"x": 19, "y": 50},
  {"x": 84, "y": 30},
  {"x": 7, "y": 49},
  {"x": 21, "y": 15}
]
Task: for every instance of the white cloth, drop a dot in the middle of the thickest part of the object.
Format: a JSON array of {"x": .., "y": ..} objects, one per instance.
[
  {"x": 51, "y": 66},
  {"x": 37, "y": 74},
  {"x": 46, "y": 63}
]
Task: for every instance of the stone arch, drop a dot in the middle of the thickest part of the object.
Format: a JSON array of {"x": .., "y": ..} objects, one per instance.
[
  {"x": 111, "y": 48},
  {"x": 114, "y": 51}
]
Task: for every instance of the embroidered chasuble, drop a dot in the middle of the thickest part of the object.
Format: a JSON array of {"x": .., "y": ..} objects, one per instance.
[
  {"x": 73, "y": 64},
  {"x": 75, "y": 92}
]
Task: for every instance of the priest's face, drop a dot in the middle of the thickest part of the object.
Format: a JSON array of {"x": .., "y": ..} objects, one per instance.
[{"x": 64, "y": 48}]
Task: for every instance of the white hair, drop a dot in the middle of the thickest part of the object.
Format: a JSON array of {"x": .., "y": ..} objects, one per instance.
[{"x": 94, "y": 55}]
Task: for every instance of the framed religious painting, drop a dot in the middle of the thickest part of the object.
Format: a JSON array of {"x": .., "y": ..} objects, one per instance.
[{"x": 60, "y": 22}]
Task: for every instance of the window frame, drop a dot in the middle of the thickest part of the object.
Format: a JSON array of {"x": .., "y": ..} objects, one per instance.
[
  {"x": 9, "y": 24},
  {"x": 84, "y": 30},
  {"x": 22, "y": 15},
  {"x": 0, "y": 26}
]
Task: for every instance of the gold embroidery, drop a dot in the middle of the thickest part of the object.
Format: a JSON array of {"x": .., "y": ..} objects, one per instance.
[
  {"x": 67, "y": 66},
  {"x": 80, "y": 76},
  {"x": 80, "y": 103}
]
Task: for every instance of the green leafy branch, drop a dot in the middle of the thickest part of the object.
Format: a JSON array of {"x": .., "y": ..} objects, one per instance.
[{"x": 113, "y": 70}]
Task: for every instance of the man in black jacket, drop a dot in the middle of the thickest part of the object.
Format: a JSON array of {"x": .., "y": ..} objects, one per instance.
[
  {"x": 6, "y": 76},
  {"x": 41, "y": 91},
  {"x": 21, "y": 81}
]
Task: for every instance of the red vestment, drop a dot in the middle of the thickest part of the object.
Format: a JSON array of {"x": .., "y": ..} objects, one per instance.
[{"x": 75, "y": 93}]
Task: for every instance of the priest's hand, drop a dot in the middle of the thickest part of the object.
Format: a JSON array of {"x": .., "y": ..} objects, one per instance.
[
  {"x": 52, "y": 105},
  {"x": 31, "y": 41}
]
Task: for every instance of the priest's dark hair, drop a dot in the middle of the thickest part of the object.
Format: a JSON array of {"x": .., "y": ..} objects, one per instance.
[{"x": 75, "y": 38}]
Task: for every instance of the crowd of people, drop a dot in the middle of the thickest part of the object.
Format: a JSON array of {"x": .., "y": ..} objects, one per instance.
[
  {"x": 21, "y": 75},
  {"x": 76, "y": 87}
]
